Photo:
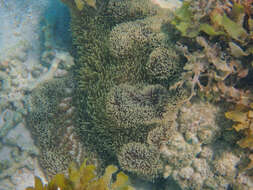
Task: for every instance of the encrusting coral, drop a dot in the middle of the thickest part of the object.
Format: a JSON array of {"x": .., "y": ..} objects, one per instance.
[{"x": 85, "y": 178}]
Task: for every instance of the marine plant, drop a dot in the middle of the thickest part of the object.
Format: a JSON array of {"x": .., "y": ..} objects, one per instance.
[
  {"x": 216, "y": 40},
  {"x": 243, "y": 118},
  {"x": 85, "y": 178}
]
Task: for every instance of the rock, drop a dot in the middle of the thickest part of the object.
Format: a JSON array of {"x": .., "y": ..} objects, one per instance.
[
  {"x": 24, "y": 177},
  {"x": 36, "y": 73},
  {"x": 21, "y": 137}
]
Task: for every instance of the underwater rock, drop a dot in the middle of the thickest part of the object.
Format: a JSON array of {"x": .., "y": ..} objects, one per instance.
[
  {"x": 10, "y": 120},
  {"x": 24, "y": 177},
  {"x": 21, "y": 137},
  {"x": 56, "y": 60}
]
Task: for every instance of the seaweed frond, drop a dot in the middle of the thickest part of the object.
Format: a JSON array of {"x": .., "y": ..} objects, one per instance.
[
  {"x": 243, "y": 116},
  {"x": 85, "y": 178}
]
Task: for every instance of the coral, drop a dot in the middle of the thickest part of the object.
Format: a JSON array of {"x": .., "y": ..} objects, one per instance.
[
  {"x": 198, "y": 122},
  {"x": 115, "y": 101},
  {"x": 129, "y": 106},
  {"x": 163, "y": 64},
  {"x": 225, "y": 164},
  {"x": 85, "y": 178},
  {"x": 177, "y": 151},
  {"x": 54, "y": 161},
  {"x": 131, "y": 89},
  {"x": 156, "y": 135},
  {"x": 192, "y": 149},
  {"x": 50, "y": 119},
  {"x": 124, "y": 105},
  {"x": 125, "y": 10},
  {"x": 129, "y": 114},
  {"x": 133, "y": 38},
  {"x": 140, "y": 160}
]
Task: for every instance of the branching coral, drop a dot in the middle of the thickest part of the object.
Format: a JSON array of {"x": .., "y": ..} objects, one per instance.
[{"x": 85, "y": 178}]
